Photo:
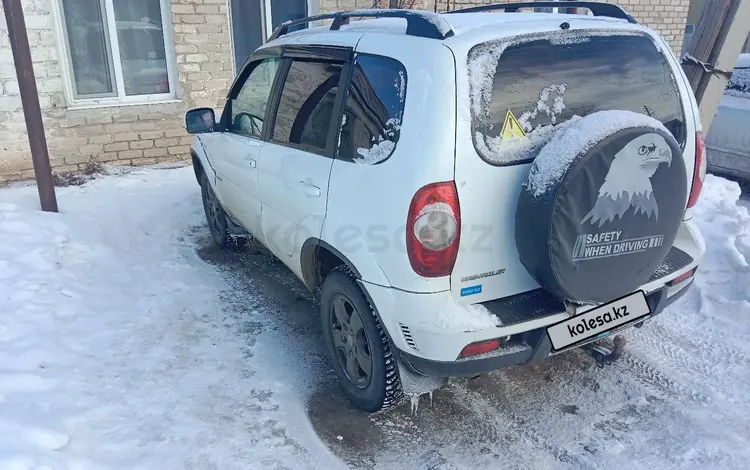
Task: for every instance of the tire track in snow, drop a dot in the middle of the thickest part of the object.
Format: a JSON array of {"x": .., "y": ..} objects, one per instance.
[
  {"x": 654, "y": 380},
  {"x": 493, "y": 414},
  {"x": 711, "y": 352},
  {"x": 707, "y": 370}
]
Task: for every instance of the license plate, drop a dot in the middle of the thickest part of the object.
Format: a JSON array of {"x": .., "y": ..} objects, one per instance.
[{"x": 598, "y": 321}]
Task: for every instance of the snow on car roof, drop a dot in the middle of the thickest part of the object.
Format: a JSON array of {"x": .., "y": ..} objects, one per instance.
[{"x": 459, "y": 22}]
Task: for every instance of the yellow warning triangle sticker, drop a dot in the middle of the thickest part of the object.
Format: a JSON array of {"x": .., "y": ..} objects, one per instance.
[{"x": 511, "y": 127}]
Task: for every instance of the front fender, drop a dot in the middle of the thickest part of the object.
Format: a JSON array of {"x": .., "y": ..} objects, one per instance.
[{"x": 198, "y": 153}]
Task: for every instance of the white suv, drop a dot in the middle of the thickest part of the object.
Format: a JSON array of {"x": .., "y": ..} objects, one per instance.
[{"x": 466, "y": 191}]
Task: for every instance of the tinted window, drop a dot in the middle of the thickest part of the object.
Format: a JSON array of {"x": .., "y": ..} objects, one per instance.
[
  {"x": 374, "y": 109},
  {"x": 545, "y": 81},
  {"x": 249, "y": 106},
  {"x": 306, "y": 106}
]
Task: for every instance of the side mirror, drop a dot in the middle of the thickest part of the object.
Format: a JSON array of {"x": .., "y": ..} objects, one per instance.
[{"x": 200, "y": 120}]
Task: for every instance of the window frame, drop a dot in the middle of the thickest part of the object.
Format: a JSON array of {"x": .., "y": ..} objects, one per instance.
[
  {"x": 335, "y": 54},
  {"x": 112, "y": 48}
]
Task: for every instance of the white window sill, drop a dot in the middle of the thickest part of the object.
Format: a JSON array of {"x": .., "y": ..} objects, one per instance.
[{"x": 116, "y": 104}]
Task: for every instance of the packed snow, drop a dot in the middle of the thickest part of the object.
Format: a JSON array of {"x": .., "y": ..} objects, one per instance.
[
  {"x": 576, "y": 137},
  {"x": 121, "y": 348},
  {"x": 117, "y": 347},
  {"x": 457, "y": 317}
]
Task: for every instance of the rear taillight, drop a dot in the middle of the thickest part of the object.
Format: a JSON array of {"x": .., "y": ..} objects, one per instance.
[
  {"x": 433, "y": 229},
  {"x": 480, "y": 347},
  {"x": 682, "y": 277},
  {"x": 699, "y": 172}
]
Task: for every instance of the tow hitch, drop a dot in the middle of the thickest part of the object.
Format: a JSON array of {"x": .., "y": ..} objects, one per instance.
[{"x": 604, "y": 353}]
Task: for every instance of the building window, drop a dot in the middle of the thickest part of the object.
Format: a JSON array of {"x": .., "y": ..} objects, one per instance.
[{"x": 117, "y": 49}]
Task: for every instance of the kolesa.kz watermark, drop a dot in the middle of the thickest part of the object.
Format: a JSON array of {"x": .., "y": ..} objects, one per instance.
[{"x": 598, "y": 320}]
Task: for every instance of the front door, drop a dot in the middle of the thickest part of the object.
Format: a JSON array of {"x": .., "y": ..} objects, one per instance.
[
  {"x": 237, "y": 151},
  {"x": 295, "y": 165}
]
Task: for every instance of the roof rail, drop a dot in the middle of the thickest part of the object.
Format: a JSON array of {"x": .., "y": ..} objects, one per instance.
[
  {"x": 423, "y": 24},
  {"x": 597, "y": 8}
]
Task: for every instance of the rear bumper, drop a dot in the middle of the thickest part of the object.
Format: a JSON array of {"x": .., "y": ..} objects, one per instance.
[
  {"x": 537, "y": 348},
  {"x": 431, "y": 347}
]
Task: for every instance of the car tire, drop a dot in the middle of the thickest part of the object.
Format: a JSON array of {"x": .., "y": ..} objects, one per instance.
[
  {"x": 357, "y": 346},
  {"x": 215, "y": 216}
]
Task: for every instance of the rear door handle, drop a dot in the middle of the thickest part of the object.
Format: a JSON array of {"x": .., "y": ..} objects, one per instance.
[
  {"x": 309, "y": 189},
  {"x": 251, "y": 162}
]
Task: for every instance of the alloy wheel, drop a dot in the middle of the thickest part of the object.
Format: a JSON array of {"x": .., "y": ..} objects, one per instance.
[{"x": 350, "y": 341}]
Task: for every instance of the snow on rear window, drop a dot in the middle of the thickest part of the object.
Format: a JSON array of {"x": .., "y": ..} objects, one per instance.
[
  {"x": 547, "y": 79},
  {"x": 577, "y": 136},
  {"x": 549, "y": 104}
]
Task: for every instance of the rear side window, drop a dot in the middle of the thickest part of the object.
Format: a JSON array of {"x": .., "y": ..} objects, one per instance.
[
  {"x": 374, "y": 108},
  {"x": 544, "y": 81},
  {"x": 306, "y": 107}
]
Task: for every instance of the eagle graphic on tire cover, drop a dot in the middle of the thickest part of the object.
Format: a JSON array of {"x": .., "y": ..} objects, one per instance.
[
  {"x": 628, "y": 182},
  {"x": 604, "y": 227}
]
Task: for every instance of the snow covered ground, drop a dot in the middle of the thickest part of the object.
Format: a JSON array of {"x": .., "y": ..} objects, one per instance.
[
  {"x": 121, "y": 348},
  {"x": 128, "y": 341}
]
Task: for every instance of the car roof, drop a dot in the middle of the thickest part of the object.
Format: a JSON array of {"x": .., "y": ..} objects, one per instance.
[
  {"x": 459, "y": 22},
  {"x": 466, "y": 22}
]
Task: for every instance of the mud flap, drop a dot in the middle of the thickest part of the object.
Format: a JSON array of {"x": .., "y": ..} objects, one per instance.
[{"x": 235, "y": 229}]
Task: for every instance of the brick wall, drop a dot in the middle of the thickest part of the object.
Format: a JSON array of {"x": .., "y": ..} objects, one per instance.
[{"x": 132, "y": 134}]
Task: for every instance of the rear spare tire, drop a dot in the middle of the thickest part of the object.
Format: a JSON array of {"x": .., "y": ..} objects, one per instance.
[{"x": 601, "y": 206}]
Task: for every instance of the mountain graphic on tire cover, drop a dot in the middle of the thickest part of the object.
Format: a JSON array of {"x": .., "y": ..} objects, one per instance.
[{"x": 602, "y": 230}]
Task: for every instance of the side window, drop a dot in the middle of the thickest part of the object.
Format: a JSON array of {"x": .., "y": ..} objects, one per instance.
[
  {"x": 373, "y": 111},
  {"x": 249, "y": 106},
  {"x": 306, "y": 106}
]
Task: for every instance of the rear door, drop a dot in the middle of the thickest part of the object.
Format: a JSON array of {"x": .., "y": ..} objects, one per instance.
[
  {"x": 515, "y": 90},
  {"x": 295, "y": 165}
]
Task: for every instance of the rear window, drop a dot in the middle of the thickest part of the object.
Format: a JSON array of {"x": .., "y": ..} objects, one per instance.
[
  {"x": 739, "y": 84},
  {"x": 541, "y": 82}
]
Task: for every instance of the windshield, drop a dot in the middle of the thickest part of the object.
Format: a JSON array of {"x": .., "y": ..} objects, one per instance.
[{"x": 522, "y": 89}]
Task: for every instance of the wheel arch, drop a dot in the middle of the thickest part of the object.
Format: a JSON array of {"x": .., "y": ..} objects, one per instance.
[
  {"x": 318, "y": 258},
  {"x": 197, "y": 165}
]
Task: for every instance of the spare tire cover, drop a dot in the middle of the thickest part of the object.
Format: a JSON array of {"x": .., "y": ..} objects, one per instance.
[{"x": 601, "y": 206}]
